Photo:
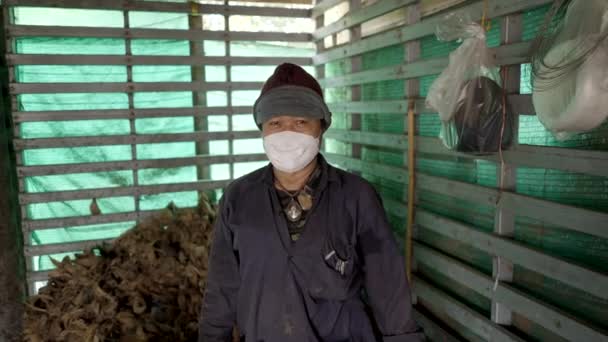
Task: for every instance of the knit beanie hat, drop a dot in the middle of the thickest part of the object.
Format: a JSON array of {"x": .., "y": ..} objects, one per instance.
[{"x": 291, "y": 91}]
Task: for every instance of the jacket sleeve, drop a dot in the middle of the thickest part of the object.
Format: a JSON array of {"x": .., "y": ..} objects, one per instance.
[
  {"x": 218, "y": 313},
  {"x": 385, "y": 279}
]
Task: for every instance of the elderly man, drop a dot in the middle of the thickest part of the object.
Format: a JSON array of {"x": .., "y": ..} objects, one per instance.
[{"x": 303, "y": 251}]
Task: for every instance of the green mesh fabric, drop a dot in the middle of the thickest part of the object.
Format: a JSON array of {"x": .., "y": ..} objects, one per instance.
[
  {"x": 558, "y": 186},
  {"x": 563, "y": 187},
  {"x": 109, "y": 127},
  {"x": 340, "y": 120}
]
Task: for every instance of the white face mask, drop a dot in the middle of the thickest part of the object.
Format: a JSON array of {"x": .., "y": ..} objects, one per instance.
[{"x": 290, "y": 151}]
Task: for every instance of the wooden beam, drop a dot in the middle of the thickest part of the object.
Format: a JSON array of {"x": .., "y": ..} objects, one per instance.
[
  {"x": 426, "y": 27},
  {"x": 128, "y": 87},
  {"x": 520, "y": 103},
  {"x": 515, "y": 53},
  {"x": 104, "y": 140},
  {"x": 101, "y": 114},
  {"x": 75, "y": 221},
  {"x": 566, "y": 159},
  {"x": 432, "y": 330},
  {"x": 357, "y": 13},
  {"x": 323, "y": 5},
  {"x": 200, "y": 160},
  {"x": 42, "y": 59},
  {"x": 579, "y": 277},
  {"x": 56, "y": 196},
  {"x": 539, "y": 312},
  {"x": 12, "y": 264},
  {"x": 462, "y": 314},
  {"x": 569, "y": 217},
  {"x": 140, "y": 33},
  {"x": 430, "y": 7},
  {"x": 56, "y": 248},
  {"x": 506, "y": 174},
  {"x": 173, "y": 7},
  {"x": 359, "y": 16}
]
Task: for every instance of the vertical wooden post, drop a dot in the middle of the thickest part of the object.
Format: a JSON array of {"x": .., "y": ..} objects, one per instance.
[
  {"x": 320, "y": 47},
  {"x": 412, "y": 92},
  {"x": 132, "y": 119},
  {"x": 229, "y": 95},
  {"x": 356, "y": 63},
  {"x": 504, "y": 223},
  {"x": 199, "y": 98},
  {"x": 12, "y": 268}
]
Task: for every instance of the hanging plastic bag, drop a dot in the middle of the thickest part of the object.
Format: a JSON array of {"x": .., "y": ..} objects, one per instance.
[
  {"x": 467, "y": 94},
  {"x": 569, "y": 67}
]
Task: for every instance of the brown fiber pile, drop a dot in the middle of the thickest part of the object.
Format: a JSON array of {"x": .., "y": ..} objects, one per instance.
[{"x": 146, "y": 286}]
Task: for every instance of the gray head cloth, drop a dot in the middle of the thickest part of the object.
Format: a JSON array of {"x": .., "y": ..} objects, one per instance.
[{"x": 293, "y": 101}]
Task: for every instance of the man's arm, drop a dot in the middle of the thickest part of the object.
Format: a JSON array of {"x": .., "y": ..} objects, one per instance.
[
  {"x": 218, "y": 314},
  {"x": 385, "y": 280}
]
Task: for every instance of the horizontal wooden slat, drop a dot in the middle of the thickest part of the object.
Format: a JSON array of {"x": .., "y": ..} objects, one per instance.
[
  {"x": 432, "y": 330},
  {"x": 496, "y": 8},
  {"x": 157, "y": 6},
  {"x": 44, "y": 170},
  {"x": 31, "y": 225},
  {"x": 543, "y": 314},
  {"x": 568, "y": 273},
  {"x": 363, "y": 107},
  {"x": 572, "y": 160},
  {"x": 323, "y": 6},
  {"x": 35, "y": 276},
  {"x": 582, "y": 161},
  {"x": 359, "y": 16},
  {"x": 63, "y": 247},
  {"x": 462, "y": 314},
  {"x": 397, "y": 72},
  {"x": 430, "y": 7},
  {"x": 42, "y": 197},
  {"x": 128, "y": 87},
  {"x": 22, "y": 144},
  {"x": 569, "y": 217},
  {"x": 41, "y": 59},
  {"x": 521, "y": 104},
  {"x": 565, "y": 159},
  {"x": 193, "y": 35},
  {"x": 397, "y": 174},
  {"x": 396, "y": 141},
  {"x": 99, "y": 114},
  {"x": 504, "y": 55}
]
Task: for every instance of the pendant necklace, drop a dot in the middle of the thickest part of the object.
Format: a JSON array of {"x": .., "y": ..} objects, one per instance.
[{"x": 299, "y": 201}]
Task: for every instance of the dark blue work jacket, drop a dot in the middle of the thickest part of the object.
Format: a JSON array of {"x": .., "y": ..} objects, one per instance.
[{"x": 310, "y": 290}]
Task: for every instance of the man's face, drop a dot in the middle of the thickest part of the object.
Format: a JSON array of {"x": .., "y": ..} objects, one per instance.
[{"x": 292, "y": 123}]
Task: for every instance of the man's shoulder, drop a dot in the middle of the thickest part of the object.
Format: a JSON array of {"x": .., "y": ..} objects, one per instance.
[
  {"x": 245, "y": 183},
  {"x": 351, "y": 182}
]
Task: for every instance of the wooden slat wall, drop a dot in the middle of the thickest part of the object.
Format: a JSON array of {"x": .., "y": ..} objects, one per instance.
[
  {"x": 200, "y": 111},
  {"x": 505, "y": 299}
]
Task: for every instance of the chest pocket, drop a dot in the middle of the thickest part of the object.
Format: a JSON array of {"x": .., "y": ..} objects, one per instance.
[{"x": 337, "y": 258}]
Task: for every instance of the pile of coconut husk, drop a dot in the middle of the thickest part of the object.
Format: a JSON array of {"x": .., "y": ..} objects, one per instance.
[{"x": 145, "y": 286}]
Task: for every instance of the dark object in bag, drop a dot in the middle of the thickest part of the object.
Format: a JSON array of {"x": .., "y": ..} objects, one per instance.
[{"x": 478, "y": 119}]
